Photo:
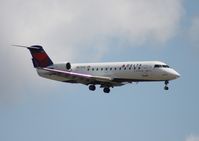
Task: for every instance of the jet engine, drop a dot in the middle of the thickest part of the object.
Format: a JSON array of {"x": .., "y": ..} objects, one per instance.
[{"x": 68, "y": 66}]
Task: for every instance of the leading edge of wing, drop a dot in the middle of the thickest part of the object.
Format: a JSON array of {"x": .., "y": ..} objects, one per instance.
[{"x": 79, "y": 75}]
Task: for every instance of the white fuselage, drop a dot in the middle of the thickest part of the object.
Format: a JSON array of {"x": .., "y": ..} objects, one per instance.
[{"x": 121, "y": 71}]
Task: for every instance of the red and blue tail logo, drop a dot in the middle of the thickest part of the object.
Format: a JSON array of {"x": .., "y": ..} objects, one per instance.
[{"x": 39, "y": 57}]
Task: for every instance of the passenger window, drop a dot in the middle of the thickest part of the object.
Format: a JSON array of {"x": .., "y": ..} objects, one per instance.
[
  {"x": 115, "y": 68},
  {"x": 97, "y": 69},
  {"x": 92, "y": 69},
  {"x": 110, "y": 68},
  {"x": 101, "y": 69},
  {"x": 106, "y": 69}
]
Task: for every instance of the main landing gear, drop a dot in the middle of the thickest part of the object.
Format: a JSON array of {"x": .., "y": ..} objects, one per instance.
[
  {"x": 106, "y": 90},
  {"x": 93, "y": 88},
  {"x": 166, "y": 83}
]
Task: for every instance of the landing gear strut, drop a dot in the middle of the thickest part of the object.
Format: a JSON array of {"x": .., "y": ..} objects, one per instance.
[
  {"x": 92, "y": 87},
  {"x": 166, "y": 83},
  {"x": 106, "y": 90}
]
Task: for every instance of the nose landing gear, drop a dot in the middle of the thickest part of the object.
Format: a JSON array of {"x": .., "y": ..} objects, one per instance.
[{"x": 166, "y": 85}]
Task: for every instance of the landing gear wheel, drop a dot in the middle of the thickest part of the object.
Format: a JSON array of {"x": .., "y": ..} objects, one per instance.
[
  {"x": 106, "y": 90},
  {"x": 166, "y": 83},
  {"x": 92, "y": 87},
  {"x": 166, "y": 88}
]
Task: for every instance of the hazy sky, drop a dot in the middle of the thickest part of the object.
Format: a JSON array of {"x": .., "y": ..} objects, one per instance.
[{"x": 33, "y": 108}]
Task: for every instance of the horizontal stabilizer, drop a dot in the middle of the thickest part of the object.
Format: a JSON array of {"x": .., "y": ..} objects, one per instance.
[{"x": 28, "y": 47}]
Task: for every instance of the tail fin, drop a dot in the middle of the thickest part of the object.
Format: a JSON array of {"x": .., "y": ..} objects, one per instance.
[{"x": 39, "y": 57}]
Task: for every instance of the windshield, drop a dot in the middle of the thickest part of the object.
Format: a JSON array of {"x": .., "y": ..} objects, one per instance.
[{"x": 160, "y": 66}]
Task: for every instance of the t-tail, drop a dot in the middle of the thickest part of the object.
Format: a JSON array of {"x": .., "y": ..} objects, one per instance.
[{"x": 40, "y": 58}]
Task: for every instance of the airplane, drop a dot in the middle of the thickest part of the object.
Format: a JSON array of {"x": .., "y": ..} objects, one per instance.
[{"x": 107, "y": 75}]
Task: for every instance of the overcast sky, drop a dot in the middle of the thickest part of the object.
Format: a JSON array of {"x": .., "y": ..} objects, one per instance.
[{"x": 33, "y": 108}]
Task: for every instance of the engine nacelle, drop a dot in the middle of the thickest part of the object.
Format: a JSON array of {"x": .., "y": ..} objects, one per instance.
[{"x": 68, "y": 66}]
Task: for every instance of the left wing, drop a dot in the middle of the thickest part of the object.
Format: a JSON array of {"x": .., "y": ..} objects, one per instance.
[{"x": 80, "y": 76}]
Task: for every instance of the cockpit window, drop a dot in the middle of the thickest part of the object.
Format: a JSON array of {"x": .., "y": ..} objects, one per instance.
[
  {"x": 161, "y": 66},
  {"x": 165, "y": 66},
  {"x": 157, "y": 66}
]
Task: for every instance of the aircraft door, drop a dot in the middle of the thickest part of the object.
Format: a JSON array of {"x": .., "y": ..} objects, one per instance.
[{"x": 146, "y": 71}]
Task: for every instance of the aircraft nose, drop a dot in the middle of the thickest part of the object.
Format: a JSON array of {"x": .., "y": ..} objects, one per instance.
[{"x": 175, "y": 74}]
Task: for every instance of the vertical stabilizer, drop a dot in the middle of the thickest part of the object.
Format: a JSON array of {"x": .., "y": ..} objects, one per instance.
[{"x": 39, "y": 56}]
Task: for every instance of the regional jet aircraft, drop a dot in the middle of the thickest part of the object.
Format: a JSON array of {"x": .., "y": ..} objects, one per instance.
[{"x": 107, "y": 75}]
